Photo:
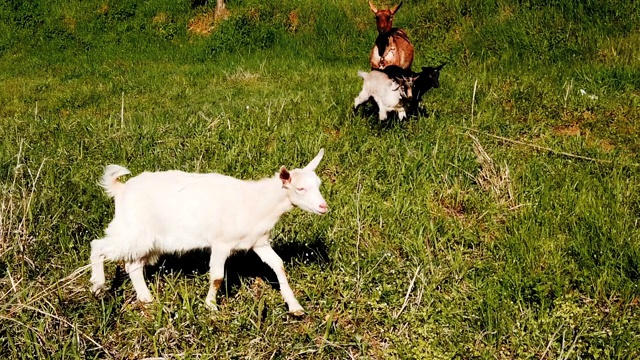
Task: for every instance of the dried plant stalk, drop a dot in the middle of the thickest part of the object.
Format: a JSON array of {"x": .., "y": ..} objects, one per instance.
[{"x": 492, "y": 178}]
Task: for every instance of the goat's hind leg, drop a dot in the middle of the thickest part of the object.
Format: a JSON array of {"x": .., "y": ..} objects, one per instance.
[
  {"x": 97, "y": 265},
  {"x": 362, "y": 98},
  {"x": 136, "y": 274},
  {"x": 382, "y": 114}
]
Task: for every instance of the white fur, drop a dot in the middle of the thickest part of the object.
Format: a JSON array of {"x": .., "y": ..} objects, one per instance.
[
  {"x": 174, "y": 211},
  {"x": 387, "y": 93}
]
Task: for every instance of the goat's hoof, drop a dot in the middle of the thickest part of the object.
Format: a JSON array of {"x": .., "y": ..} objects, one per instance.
[
  {"x": 97, "y": 288},
  {"x": 211, "y": 305},
  {"x": 145, "y": 298},
  {"x": 296, "y": 312}
]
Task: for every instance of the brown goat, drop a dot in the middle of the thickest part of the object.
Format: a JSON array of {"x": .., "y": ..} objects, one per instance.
[{"x": 392, "y": 45}]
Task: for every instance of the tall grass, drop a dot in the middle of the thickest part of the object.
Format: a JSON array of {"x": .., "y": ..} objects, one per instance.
[{"x": 503, "y": 223}]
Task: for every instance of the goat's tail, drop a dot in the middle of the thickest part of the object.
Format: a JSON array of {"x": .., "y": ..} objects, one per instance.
[
  {"x": 363, "y": 74},
  {"x": 109, "y": 180}
]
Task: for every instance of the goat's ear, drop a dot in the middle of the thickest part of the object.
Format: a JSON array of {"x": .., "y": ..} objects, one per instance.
[
  {"x": 285, "y": 176},
  {"x": 373, "y": 7},
  {"x": 396, "y": 8},
  {"x": 441, "y": 66},
  {"x": 316, "y": 160}
]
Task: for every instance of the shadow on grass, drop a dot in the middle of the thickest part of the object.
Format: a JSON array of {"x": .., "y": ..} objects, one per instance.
[
  {"x": 198, "y": 3},
  {"x": 239, "y": 266},
  {"x": 369, "y": 110}
]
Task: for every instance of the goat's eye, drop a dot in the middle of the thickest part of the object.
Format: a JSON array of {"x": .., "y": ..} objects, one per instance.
[{"x": 300, "y": 189}]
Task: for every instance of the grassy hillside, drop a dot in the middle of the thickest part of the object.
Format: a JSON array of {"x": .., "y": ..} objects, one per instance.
[{"x": 502, "y": 223}]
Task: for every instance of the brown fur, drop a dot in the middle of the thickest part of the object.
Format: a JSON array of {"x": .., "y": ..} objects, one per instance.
[
  {"x": 217, "y": 283},
  {"x": 392, "y": 48}
]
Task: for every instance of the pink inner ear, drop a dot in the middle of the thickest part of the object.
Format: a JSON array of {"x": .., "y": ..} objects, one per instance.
[{"x": 285, "y": 176}]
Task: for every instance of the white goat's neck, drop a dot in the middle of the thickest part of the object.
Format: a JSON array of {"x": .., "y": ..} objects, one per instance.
[{"x": 271, "y": 200}]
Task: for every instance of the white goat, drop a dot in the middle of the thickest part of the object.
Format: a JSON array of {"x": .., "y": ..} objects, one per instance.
[
  {"x": 390, "y": 93},
  {"x": 174, "y": 211}
]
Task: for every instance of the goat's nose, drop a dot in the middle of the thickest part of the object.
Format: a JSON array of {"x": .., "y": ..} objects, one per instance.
[{"x": 323, "y": 208}]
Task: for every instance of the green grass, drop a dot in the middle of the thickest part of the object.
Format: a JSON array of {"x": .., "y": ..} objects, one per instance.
[{"x": 416, "y": 259}]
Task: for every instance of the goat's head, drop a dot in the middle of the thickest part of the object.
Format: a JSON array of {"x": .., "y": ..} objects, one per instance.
[
  {"x": 384, "y": 18},
  {"x": 430, "y": 76},
  {"x": 406, "y": 84},
  {"x": 303, "y": 186}
]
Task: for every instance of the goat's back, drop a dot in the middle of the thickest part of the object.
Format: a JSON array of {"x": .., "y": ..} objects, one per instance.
[
  {"x": 384, "y": 90},
  {"x": 173, "y": 204},
  {"x": 377, "y": 81},
  {"x": 166, "y": 192}
]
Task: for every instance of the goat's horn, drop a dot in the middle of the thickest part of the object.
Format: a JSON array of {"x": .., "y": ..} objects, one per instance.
[
  {"x": 373, "y": 7},
  {"x": 393, "y": 11}
]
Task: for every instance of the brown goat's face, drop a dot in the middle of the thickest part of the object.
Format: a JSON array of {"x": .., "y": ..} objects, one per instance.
[{"x": 384, "y": 18}]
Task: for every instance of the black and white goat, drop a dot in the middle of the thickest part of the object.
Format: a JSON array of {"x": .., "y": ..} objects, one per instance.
[
  {"x": 391, "y": 93},
  {"x": 427, "y": 79}
]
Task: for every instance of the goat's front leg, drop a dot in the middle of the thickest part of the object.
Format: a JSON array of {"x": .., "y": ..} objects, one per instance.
[
  {"x": 216, "y": 273},
  {"x": 402, "y": 113},
  {"x": 266, "y": 253},
  {"x": 136, "y": 274},
  {"x": 375, "y": 57}
]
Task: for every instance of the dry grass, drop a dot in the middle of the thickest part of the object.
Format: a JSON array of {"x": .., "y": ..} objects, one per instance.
[
  {"x": 294, "y": 21},
  {"x": 243, "y": 76},
  {"x": 160, "y": 18},
  {"x": 568, "y": 130},
  {"x": 491, "y": 178},
  {"x": 15, "y": 209},
  {"x": 202, "y": 24}
]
